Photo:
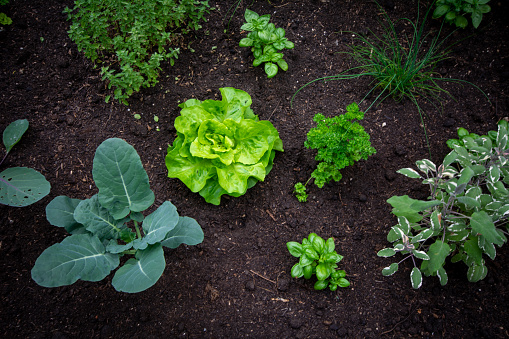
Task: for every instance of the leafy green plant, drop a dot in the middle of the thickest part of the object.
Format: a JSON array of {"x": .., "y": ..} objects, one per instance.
[
  {"x": 20, "y": 186},
  {"x": 4, "y": 19},
  {"x": 221, "y": 146},
  {"x": 466, "y": 214},
  {"x": 266, "y": 42},
  {"x": 317, "y": 256},
  {"x": 107, "y": 226},
  {"x": 454, "y": 11},
  {"x": 130, "y": 39},
  {"x": 340, "y": 142}
]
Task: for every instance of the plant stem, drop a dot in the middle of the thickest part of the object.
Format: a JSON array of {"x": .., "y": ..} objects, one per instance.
[
  {"x": 5, "y": 156},
  {"x": 138, "y": 233}
]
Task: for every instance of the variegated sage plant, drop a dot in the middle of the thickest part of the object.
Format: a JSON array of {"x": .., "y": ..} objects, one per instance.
[{"x": 464, "y": 218}]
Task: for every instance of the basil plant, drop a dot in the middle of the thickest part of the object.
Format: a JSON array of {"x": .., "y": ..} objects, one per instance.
[
  {"x": 221, "y": 146},
  {"x": 110, "y": 225},
  {"x": 317, "y": 256},
  {"x": 465, "y": 218}
]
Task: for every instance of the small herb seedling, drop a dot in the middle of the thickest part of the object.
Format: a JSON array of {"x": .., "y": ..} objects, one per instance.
[
  {"x": 20, "y": 186},
  {"x": 340, "y": 142},
  {"x": 110, "y": 225},
  {"x": 454, "y": 11},
  {"x": 318, "y": 257},
  {"x": 4, "y": 19},
  {"x": 266, "y": 42}
]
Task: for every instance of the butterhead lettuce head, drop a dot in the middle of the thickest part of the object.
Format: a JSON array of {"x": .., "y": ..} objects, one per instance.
[{"x": 221, "y": 146}]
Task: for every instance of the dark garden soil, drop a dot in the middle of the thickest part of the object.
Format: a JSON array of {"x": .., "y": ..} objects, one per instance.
[{"x": 237, "y": 282}]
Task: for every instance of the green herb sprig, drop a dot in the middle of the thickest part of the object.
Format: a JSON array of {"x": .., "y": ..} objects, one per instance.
[
  {"x": 318, "y": 257},
  {"x": 266, "y": 42},
  {"x": 454, "y": 11},
  {"x": 340, "y": 142}
]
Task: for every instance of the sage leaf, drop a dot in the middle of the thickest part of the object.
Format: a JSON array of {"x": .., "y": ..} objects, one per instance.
[
  {"x": 420, "y": 255},
  {"x": 437, "y": 253},
  {"x": 409, "y": 172},
  {"x": 442, "y": 276},
  {"x": 416, "y": 278},
  {"x": 473, "y": 251},
  {"x": 390, "y": 270},
  {"x": 386, "y": 252},
  {"x": 481, "y": 223},
  {"x": 476, "y": 273}
]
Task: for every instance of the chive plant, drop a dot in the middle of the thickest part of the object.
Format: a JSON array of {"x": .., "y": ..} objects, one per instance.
[{"x": 401, "y": 66}]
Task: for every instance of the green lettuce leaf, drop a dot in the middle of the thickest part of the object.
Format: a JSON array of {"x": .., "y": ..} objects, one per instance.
[{"x": 221, "y": 146}]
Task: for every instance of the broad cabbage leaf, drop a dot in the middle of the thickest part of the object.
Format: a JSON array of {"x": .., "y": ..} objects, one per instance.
[{"x": 221, "y": 146}]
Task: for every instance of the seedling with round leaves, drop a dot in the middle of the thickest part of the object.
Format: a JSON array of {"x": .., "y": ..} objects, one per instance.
[
  {"x": 318, "y": 257},
  {"x": 266, "y": 42}
]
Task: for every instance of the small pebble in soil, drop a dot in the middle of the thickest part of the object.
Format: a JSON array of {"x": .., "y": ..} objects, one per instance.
[
  {"x": 282, "y": 284},
  {"x": 334, "y": 327},
  {"x": 342, "y": 332},
  {"x": 390, "y": 175},
  {"x": 449, "y": 122},
  {"x": 250, "y": 286},
  {"x": 295, "y": 323},
  {"x": 400, "y": 150},
  {"x": 106, "y": 331},
  {"x": 363, "y": 198}
]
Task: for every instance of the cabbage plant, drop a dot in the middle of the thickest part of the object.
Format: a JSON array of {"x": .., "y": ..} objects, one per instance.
[
  {"x": 110, "y": 225},
  {"x": 221, "y": 146}
]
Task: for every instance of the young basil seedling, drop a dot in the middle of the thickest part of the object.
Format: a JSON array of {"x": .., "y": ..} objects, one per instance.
[
  {"x": 317, "y": 256},
  {"x": 266, "y": 42}
]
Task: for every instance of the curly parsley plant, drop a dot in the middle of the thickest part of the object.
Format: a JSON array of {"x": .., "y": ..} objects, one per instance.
[{"x": 340, "y": 142}]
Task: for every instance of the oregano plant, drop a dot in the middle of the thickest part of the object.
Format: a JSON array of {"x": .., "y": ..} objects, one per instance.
[
  {"x": 110, "y": 225},
  {"x": 465, "y": 217},
  {"x": 340, "y": 141},
  {"x": 130, "y": 39}
]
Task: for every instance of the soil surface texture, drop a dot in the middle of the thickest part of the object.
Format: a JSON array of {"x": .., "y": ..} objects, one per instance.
[{"x": 237, "y": 283}]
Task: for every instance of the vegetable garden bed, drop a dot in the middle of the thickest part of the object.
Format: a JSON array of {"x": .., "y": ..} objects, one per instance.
[{"x": 237, "y": 282}]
